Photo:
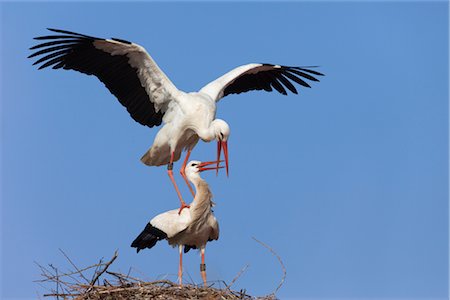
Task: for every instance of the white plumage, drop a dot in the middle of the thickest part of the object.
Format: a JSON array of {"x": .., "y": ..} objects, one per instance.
[
  {"x": 130, "y": 73},
  {"x": 192, "y": 228}
]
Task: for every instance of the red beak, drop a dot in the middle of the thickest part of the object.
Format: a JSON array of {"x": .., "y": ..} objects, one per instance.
[
  {"x": 203, "y": 166},
  {"x": 222, "y": 145}
]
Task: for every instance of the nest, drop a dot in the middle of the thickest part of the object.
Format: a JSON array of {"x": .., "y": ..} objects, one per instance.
[
  {"x": 97, "y": 282},
  {"x": 161, "y": 289}
]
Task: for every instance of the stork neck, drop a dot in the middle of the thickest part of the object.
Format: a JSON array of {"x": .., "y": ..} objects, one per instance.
[
  {"x": 207, "y": 134},
  {"x": 196, "y": 181},
  {"x": 202, "y": 200}
]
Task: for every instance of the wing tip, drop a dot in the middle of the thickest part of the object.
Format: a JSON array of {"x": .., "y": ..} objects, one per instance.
[{"x": 121, "y": 41}]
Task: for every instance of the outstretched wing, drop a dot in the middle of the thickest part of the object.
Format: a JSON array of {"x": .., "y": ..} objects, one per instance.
[
  {"x": 125, "y": 68},
  {"x": 260, "y": 77}
]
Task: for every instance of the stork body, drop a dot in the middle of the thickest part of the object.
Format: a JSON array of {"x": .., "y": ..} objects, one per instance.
[
  {"x": 130, "y": 74},
  {"x": 192, "y": 228},
  {"x": 186, "y": 121}
]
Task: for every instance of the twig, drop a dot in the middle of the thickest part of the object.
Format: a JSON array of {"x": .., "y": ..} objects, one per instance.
[
  {"x": 58, "y": 282},
  {"x": 190, "y": 278},
  {"x": 279, "y": 259},
  {"x": 44, "y": 271},
  {"x": 118, "y": 276},
  {"x": 53, "y": 277},
  {"x": 164, "y": 281},
  {"x": 61, "y": 295},
  {"x": 129, "y": 271},
  {"x": 106, "y": 282},
  {"x": 124, "y": 286},
  {"x": 100, "y": 263},
  {"x": 228, "y": 287},
  {"x": 105, "y": 268},
  {"x": 73, "y": 265}
]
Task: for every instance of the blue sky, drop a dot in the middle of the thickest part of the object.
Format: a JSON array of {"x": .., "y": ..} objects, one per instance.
[{"x": 347, "y": 182}]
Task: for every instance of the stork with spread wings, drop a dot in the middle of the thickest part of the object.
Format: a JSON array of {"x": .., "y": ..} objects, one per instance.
[{"x": 150, "y": 98}]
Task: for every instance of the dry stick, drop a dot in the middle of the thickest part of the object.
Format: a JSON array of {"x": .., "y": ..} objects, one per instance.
[
  {"x": 139, "y": 272},
  {"x": 57, "y": 280},
  {"x": 143, "y": 275},
  {"x": 48, "y": 278},
  {"x": 163, "y": 281},
  {"x": 279, "y": 259},
  {"x": 72, "y": 277},
  {"x": 237, "y": 276},
  {"x": 73, "y": 265},
  {"x": 106, "y": 282},
  {"x": 119, "y": 276},
  {"x": 190, "y": 278},
  {"x": 61, "y": 295},
  {"x": 48, "y": 274},
  {"x": 44, "y": 271},
  {"x": 97, "y": 267},
  {"x": 105, "y": 268},
  {"x": 126, "y": 277},
  {"x": 129, "y": 271}
]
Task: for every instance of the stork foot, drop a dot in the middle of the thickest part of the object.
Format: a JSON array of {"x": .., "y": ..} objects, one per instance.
[{"x": 183, "y": 206}]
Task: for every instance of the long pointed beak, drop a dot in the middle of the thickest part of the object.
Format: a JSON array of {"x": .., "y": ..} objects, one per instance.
[
  {"x": 222, "y": 145},
  {"x": 219, "y": 149},
  {"x": 225, "y": 153},
  {"x": 203, "y": 166}
]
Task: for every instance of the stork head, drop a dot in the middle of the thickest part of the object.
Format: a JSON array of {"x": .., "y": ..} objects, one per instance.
[
  {"x": 221, "y": 132},
  {"x": 195, "y": 167}
]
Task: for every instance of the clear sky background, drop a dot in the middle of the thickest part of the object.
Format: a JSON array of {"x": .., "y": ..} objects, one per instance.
[{"x": 347, "y": 182}]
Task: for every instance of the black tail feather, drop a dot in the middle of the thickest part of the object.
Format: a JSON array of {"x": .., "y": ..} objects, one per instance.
[
  {"x": 187, "y": 248},
  {"x": 148, "y": 238}
]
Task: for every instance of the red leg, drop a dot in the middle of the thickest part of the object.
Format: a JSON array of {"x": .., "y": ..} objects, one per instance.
[
  {"x": 170, "y": 173},
  {"x": 180, "y": 266},
  {"x": 203, "y": 266},
  {"x": 184, "y": 174}
]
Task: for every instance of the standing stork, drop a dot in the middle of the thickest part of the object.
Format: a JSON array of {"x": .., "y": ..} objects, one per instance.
[
  {"x": 192, "y": 228},
  {"x": 131, "y": 75}
]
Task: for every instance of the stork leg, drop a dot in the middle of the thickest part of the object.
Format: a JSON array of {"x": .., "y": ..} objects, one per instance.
[
  {"x": 170, "y": 173},
  {"x": 203, "y": 266},
  {"x": 182, "y": 172},
  {"x": 180, "y": 266}
]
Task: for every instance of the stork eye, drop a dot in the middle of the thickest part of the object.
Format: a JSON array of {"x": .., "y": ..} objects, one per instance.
[{"x": 194, "y": 164}]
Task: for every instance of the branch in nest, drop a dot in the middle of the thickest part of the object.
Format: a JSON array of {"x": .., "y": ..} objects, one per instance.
[
  {"x": 280, "y": 261},
  {"x": 104, "y": 269},
  {"x": 228, "y": 287},
  {"x": 124, "y": 286},
  {"x": 73, "y": 265},
  {"x": 123, "y": 277}
]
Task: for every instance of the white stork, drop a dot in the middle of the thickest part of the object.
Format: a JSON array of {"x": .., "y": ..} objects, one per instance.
[
  {"x": 131, "y": 75},
  {"x": 192, "y": 228}
]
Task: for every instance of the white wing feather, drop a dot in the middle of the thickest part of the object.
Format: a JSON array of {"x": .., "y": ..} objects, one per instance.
[
  {"x": 216, "y": 88},
  {"x": 171, "y": 222},
  {"x": 158, "y": 86}
]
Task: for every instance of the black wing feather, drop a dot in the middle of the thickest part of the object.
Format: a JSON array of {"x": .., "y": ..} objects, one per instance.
[
  {"x": 51, "y": 44},
  {"x": 297, "y": 79},
  {"x": 276, "y": 84},
  {"x": 148, "y": 238},
  {"x": 278, "y": 78},
  {"x": 287, "y": 83},
  {"x": 49, "y": 49},
  {"x": 74, "y": 51},
  {"x": 303, "y": 74}
]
